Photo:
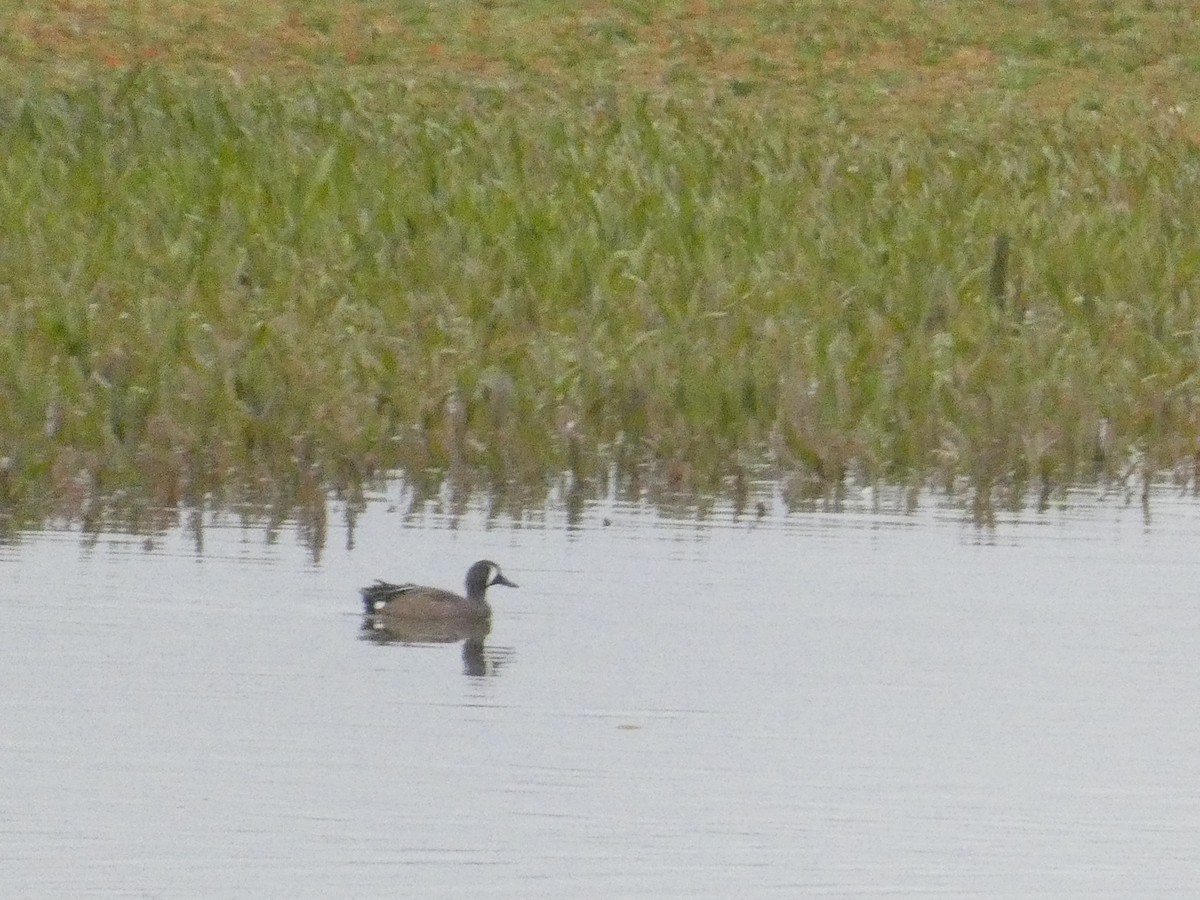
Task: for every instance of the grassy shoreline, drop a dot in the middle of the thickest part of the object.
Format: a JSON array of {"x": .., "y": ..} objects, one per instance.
[{"x": 308, "y": 279}]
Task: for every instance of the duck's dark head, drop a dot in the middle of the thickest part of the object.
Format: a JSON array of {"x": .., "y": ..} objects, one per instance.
[{"x": 482, "y": 576}]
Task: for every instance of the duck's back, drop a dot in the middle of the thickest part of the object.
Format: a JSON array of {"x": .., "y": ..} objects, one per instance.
[{"x": 419, "y": 602}]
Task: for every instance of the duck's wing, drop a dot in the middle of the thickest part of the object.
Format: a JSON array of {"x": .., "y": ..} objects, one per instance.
[{"x": 379, "y": 593}]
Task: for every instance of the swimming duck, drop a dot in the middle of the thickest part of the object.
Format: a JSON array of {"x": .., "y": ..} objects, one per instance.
[{"x": 414, "y": 601}]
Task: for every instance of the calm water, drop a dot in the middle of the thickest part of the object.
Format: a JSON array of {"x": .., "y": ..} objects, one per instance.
[{"x": 822, "y": 704}]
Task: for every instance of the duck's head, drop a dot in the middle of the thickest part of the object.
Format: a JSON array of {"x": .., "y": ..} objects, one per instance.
[{"x": 482, "y": 576}]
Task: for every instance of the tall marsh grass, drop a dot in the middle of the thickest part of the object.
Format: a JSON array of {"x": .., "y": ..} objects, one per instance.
[{"x": 309, "y": 282}]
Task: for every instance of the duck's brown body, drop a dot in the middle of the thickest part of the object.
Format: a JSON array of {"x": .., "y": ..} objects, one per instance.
[{"x": 414, "y": 601}]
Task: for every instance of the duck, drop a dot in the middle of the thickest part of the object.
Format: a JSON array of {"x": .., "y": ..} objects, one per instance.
[{"x": 415, "y": 601}]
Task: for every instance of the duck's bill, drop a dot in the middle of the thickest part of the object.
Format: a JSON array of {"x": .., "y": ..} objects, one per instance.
[{"x": 500, "y": 579}]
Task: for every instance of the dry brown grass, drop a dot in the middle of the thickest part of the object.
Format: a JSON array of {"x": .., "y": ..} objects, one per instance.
[{"x": 902, "y": 64}]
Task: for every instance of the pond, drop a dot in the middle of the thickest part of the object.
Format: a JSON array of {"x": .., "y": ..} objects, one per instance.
[{"x": 867, "y": 701}]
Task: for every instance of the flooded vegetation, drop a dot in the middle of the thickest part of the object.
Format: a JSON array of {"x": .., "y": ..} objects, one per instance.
[
  {"x": 347, "y": 243},
  {"x": 209, "y": 282}
]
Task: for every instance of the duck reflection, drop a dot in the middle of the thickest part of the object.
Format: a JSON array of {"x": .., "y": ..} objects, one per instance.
[{"x": 478, "y": 659}]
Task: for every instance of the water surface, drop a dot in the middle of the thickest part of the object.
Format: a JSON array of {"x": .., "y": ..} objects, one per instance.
[{"x": 807, "y": 704}]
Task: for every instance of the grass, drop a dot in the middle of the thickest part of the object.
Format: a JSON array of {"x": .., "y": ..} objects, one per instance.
[{"x": 266, "y": 250}]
